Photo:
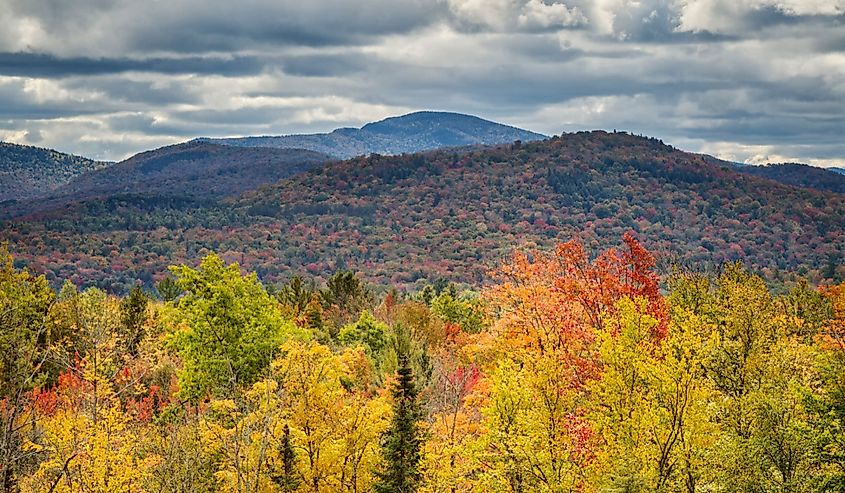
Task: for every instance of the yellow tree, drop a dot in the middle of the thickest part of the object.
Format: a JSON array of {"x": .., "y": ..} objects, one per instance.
[
  {"x": 88, "y": 442},
  {"x": 650, "y": 404},
  {"x": 454, "y": 416},
  {"x": 304, "y": 428}
]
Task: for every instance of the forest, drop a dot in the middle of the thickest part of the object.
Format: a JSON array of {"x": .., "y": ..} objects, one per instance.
[
  {"x": 571, "y": 369},
  {"x": 402, "y": 220}
]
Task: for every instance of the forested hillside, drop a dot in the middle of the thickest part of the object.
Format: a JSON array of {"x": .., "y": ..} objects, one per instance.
[
  {"x": 183, "y": 173},
  {"x": 563, "y": 374},
  {"x": 403, "y": 219},
  {"x": 27, "y": 171},
  {"x": 800, "y": 175}
]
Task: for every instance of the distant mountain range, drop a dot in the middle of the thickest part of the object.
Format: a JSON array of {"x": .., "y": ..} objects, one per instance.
[
  {"x": 211, "y": 168},
  {"x": 34, "y": 179},
  {"x": 415, "y": 132},
  {"x": 27, "y": 171},
  {"x": 399, "y": 220}
]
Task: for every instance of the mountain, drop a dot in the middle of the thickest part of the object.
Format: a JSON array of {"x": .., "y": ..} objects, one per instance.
[
  {"x": 189, "y": 171},
  {"x": 841, "y": 171},
  {"x": 455, "y": 214},
  {"x": 800, "y": 175},
  {"x": 27, "y": 171},
  {"x": 415, "y": 132}
]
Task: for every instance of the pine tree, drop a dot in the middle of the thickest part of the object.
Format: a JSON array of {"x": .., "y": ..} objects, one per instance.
[
  {"x": 402, "y": 442},
  {"x": 133, "y": 314},
  {"x": 286, "y": 479}
]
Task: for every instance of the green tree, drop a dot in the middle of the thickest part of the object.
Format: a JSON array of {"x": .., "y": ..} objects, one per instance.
[
  {"x": 168, "y": 289},
  {"x": 402, "y": 442},
  {"x": 461, "y": 310},
  {"x": 228, "y": 328},
  {"x": 25, "y": 302},
  {"x": 369, "y": 333},
  {"x": 344, "y": 297},
  {"x": 287, "y": 478},
  {"x": 133, "y": 315}
]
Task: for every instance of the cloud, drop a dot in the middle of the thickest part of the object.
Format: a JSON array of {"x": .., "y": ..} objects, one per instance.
[
  {"x": 502, "y": 15},
  {"x": 50, "y": 66},
  {"x": 748, "y": 78}
]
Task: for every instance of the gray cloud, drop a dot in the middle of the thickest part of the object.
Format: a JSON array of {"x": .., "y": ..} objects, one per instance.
[
  {"x": 49, "y": 66},
  {"x": 747, "y": 79}
]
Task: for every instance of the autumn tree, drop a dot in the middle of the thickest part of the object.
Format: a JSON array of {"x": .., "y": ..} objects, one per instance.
[
  {"x": 650, "y": 405},
  {"x": 761, "y": 365},
  {"x": 344, "y": 297},
  {"x": 25, "y": 301}
]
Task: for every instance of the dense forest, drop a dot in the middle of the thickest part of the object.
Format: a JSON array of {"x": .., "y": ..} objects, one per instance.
[
  {"x": 800, "y": 175},
  {"x": 455, "y": 214},
  {"x": 570, "y": 370},
  {"x": 27, "y": 171}
]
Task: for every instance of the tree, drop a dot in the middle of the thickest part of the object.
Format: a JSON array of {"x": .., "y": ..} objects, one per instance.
[
  {"x": 762, "y": 366},
  {"x": 25, "y": 301},
  {"x": 370, "y": 334},
  {"x": 133, "y": 315},
  {"x": 227, "y": 328},
  {"x": 402, "y": 442},
  {"x": 651, "y": 403},
  {"x": 168, "y": 289},
  {"x": 301, "y": 302},
  {"x": 286, "y": 478},
  {"x": 304, "y": 428},
  {"x": 344, "y": 297},
  {"x": 88, "y": 443}
]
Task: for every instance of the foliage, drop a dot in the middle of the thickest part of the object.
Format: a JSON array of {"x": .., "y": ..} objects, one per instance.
[
  {"x": 228, "y": 328},
  {"x": 571, "y": 371},
  {"x": 402, "y": 220}
]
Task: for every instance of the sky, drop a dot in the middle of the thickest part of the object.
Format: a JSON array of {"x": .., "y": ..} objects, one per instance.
[{"x": 746, "y": 80}]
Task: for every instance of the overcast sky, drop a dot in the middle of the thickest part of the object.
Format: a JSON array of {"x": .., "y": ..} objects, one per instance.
[{"x": 748, "y": 80}]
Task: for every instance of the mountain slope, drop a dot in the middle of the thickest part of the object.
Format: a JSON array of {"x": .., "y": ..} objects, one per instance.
[
  {"x": 452, "y": 214},
  {"x": 198, "y": 170},
  {"x": 27, "y": 171},
  {"x": 415, "y": 132},
  {"x": 800, "y": 175}
]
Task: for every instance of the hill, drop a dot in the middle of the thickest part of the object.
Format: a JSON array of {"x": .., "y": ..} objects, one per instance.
[
  {"x": 800, "y": 175},
  {"x": 27, "y": 171},
  {"x": 415, "y": 132},
  {"x": 192, "y": 170},
  {"x": 401, "y": 219}
]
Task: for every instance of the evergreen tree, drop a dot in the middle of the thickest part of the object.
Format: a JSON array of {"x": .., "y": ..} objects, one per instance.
[
  {"x": 133, "y": 314},
  {"x": 287, "y": 479},
  {"x": 403, "y": 441}
]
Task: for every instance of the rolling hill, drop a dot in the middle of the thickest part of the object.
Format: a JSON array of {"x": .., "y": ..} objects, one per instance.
[
  {"x": 454, "y": 214},
  {"x": 27, "y": 171},
  {"x": 800, "y": 175},
  {"x": 415, "y": 132},
  {"x": 190, "y": 171}
]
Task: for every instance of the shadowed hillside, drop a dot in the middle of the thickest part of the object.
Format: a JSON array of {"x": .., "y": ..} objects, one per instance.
[
  {"x": 800, "y": 175},
  {"x": 27, "y": 171}
]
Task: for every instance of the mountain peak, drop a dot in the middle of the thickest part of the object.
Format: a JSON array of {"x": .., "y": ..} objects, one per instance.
[{"x": 414, "y": 132}]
